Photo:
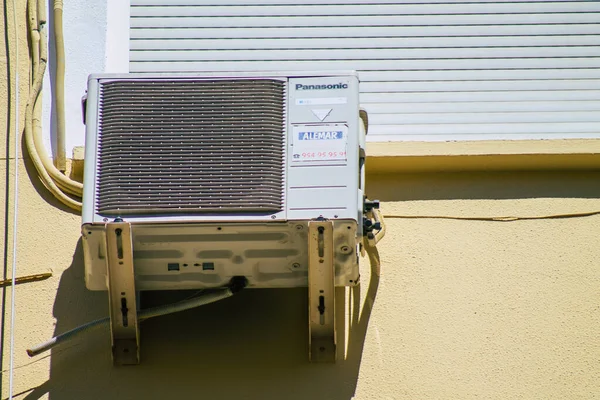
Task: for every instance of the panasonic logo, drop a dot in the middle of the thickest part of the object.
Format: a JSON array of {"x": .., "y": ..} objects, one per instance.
[{"x": 340, "y": 85}]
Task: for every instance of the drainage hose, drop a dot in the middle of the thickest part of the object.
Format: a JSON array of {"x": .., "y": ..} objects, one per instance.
[{"x": 142, "y": 315}]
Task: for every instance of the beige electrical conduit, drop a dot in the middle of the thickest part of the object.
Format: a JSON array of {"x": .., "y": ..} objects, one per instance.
[
  {"x": 379, "y": 218},
  {"x": 57, "y": 183},
  {"x": 370, "y": 242},
  {"x": 374, "y": 259},
  {"x": 373, "y": 254},
  {"x": 59, "y": 86},
  {"x": 54, "y": 180},
  {"x": 496, "y": 219},
  {"x": 66, "y": 184}
]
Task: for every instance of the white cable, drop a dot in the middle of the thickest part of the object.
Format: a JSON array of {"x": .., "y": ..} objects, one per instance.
[{"x": 15, "y": 211}]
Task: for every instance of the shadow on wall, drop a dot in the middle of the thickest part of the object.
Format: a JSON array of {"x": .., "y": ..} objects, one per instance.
[
  {"x": 253, "y": 345},
  {"x": 485, "y": 185}
]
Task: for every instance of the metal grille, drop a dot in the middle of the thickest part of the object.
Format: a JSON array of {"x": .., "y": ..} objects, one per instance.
[{"x": 191, "y": 146}]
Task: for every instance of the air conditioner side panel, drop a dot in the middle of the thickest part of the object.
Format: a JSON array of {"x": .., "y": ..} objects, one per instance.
[{"x": 91, "y": 146}]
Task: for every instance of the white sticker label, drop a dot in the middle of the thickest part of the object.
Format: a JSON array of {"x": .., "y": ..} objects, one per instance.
[
  {"x": 321, "y": 101},
  {"x": 319, "y": 143}
]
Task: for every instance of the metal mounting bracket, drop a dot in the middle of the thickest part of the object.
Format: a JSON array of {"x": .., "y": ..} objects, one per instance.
[
  {"x": 125, "y": 333},
  {"x": 321, "y": 292}
]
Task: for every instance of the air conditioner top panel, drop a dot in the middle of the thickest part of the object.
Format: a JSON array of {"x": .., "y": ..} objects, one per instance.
[{"x": 227, "y": 74}]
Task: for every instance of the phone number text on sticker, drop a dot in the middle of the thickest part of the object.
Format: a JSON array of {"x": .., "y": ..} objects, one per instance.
[{"x": 323, "y": 155}]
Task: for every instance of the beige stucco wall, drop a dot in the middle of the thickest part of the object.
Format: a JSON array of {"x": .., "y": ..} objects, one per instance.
[{"x": 463, "y": 309}]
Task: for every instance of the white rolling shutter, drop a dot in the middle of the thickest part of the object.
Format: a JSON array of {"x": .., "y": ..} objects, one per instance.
[{"x": 433, "y": 70}]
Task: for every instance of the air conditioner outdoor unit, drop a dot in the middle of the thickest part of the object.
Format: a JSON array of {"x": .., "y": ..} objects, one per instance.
[
  {"x": 220, "y": 175},
  {"x": 193, "y": 180}
]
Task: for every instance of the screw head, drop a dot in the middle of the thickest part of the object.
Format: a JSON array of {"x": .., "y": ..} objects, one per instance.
[
  {"x": 296, "y": 265},
  {"x": 345, "y": 249},
  {"x": 273, "y": 217},
  {"x": 299, "y": 227}
]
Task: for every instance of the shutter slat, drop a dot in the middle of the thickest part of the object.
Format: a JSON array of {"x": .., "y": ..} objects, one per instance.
[
  {"x": 481, "y": 86},
  {"x": 384, "y": 134},
  {"x": 367, "y": 54},
  {"x": 484, "y": 118},
  {"x": 364, "y": 43},
  {"x": 480, "y": 107},
  {"x": 483, "y": 129},
  {"x": 482, "y": 75},
  {"x": 363, "y": 9},
  {"x": 473, "y": 97},
  {"x": 245, "y": 3},
  {"x": 373, "y": 65},
  {"x": 366, "y": 31},
  {"x": 359, "y": 21}
]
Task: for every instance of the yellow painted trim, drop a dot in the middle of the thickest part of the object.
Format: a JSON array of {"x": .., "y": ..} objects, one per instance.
[{"x": 572, "y": 154}]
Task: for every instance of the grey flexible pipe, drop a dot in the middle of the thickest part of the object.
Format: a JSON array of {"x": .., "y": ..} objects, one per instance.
[
  {"x": 59, "y": 86},
  {"x": 142, "y": 316}
]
